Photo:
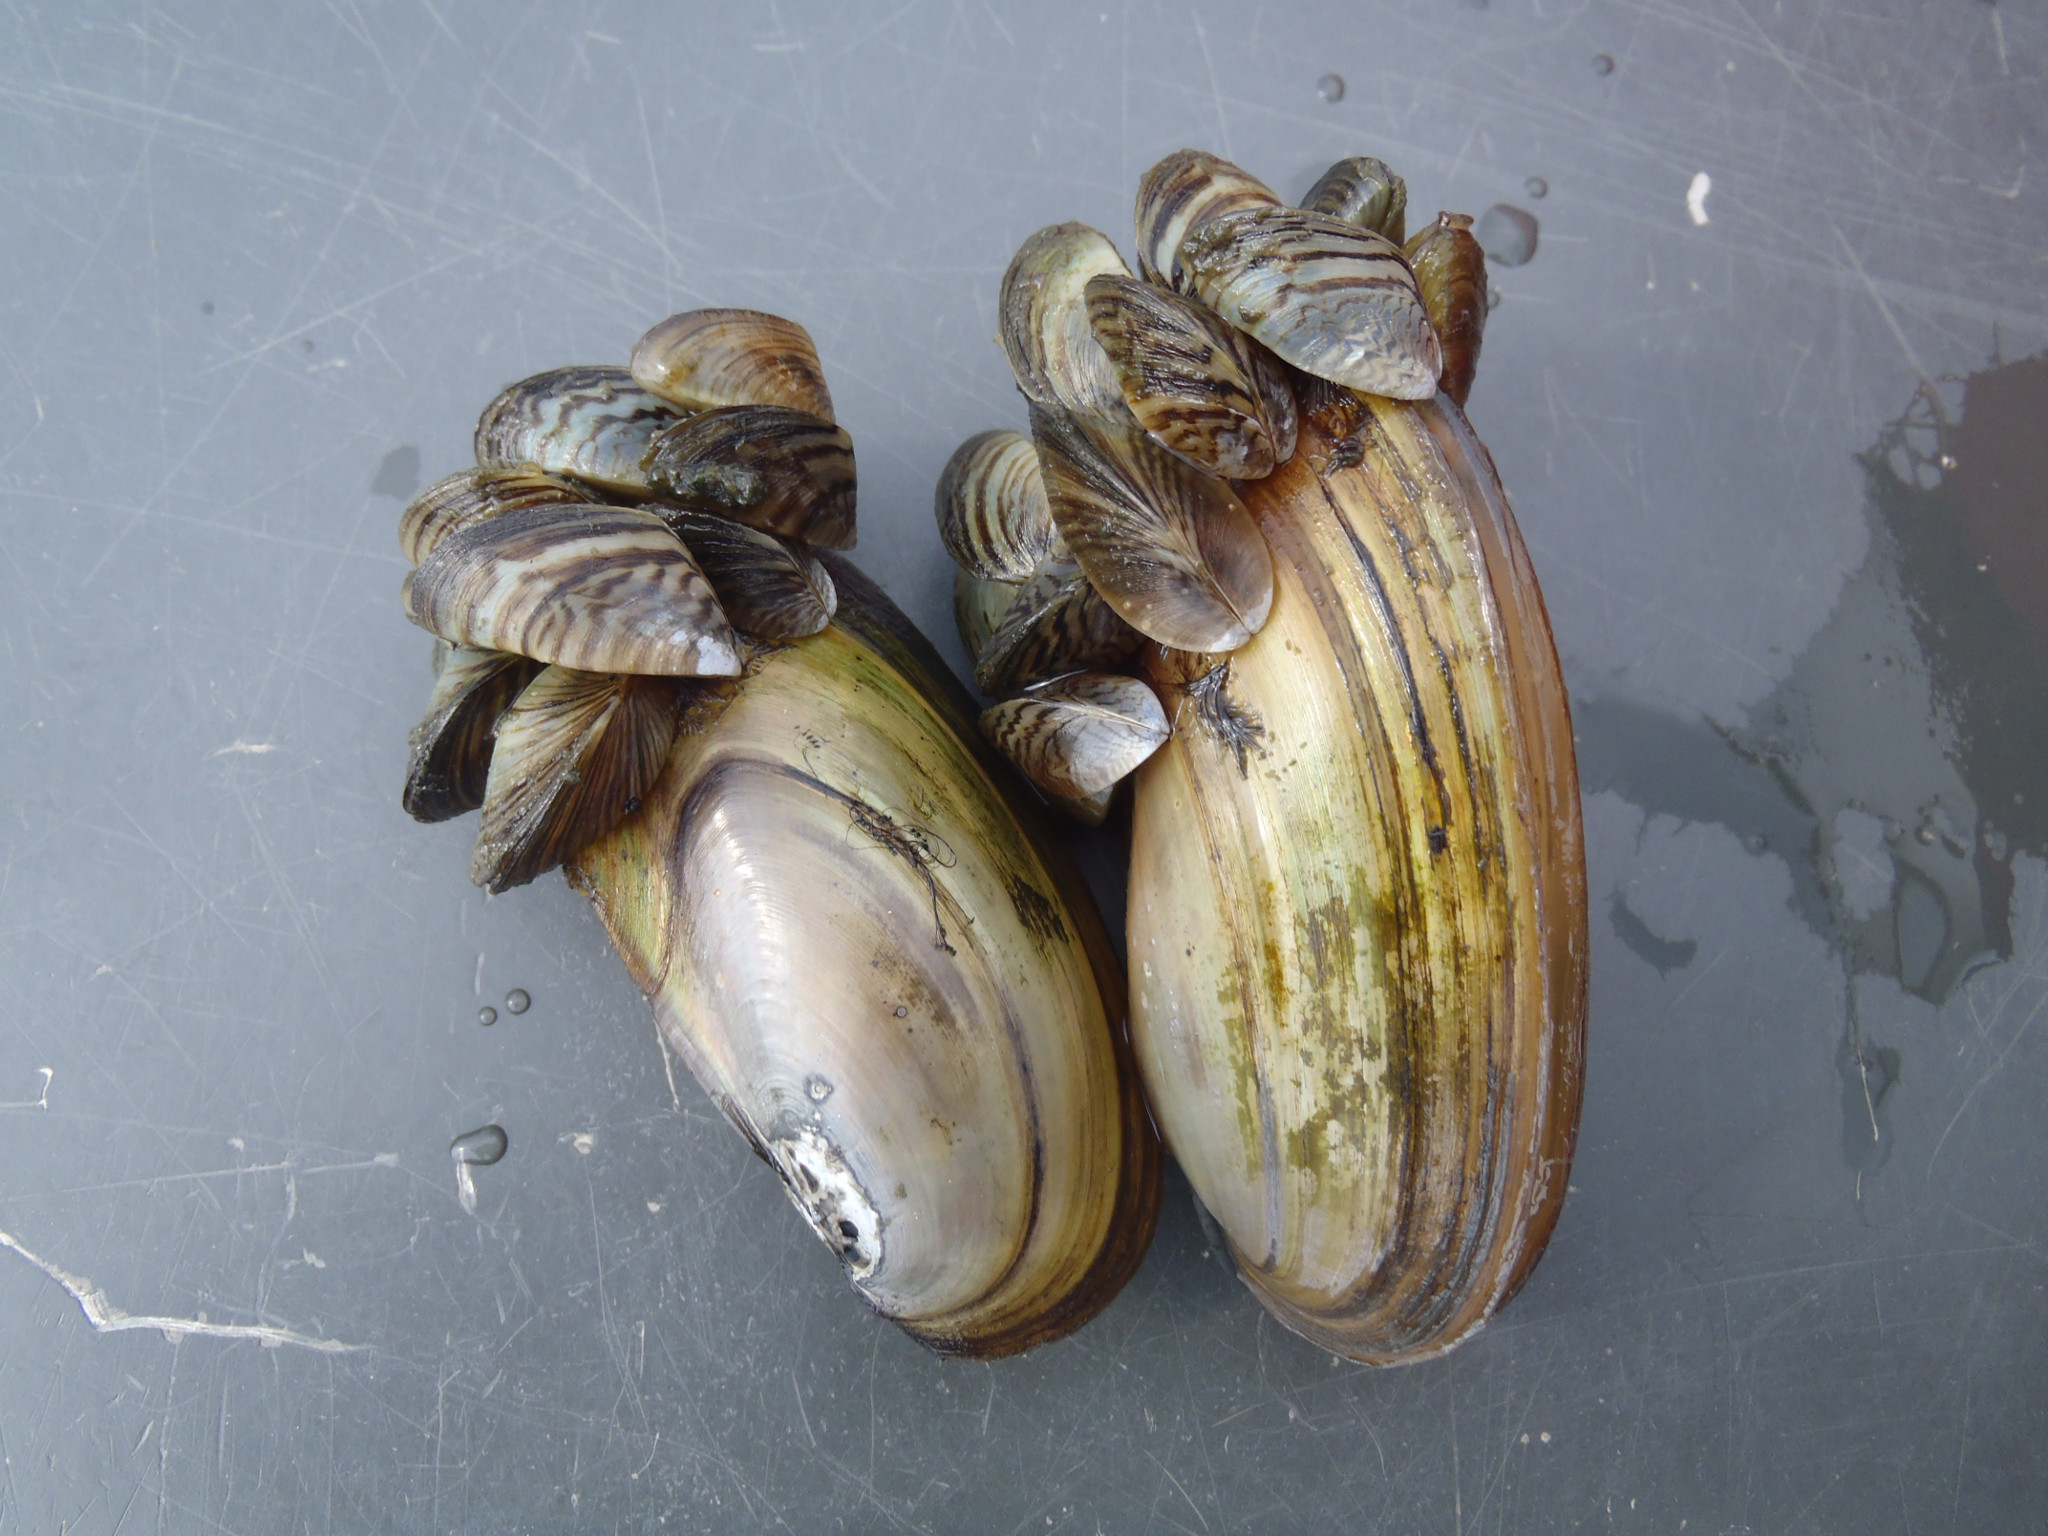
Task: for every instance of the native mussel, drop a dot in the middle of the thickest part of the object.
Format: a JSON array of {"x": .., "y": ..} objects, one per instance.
[
  {"x": 1357, "y": 916},
  {"x": 846, "y": 914}
]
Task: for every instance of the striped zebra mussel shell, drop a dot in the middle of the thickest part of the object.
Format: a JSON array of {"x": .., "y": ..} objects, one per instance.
[
  {"x": 1202, "y": 388},
  {"x": 763, "y": 465},
  {"x": 1362, "y": 191},
  {"x": 713, "y": 357},
  {"x": 1042, "y": 318},
  {"x": 1188, "y": 188},
  {"x": 1334, "y": 300},
  {"x": 591, "y": 423},
  {"x": 991, "y": 507},
  {"x": 601, "y": 589}
]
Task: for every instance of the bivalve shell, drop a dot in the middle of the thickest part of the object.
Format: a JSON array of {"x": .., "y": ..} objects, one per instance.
[
  {"x": 865, "y": 950},
  {"x": 1334, "y": 300},
  {"x": 1357, "y": 901},
  {"x": 714, "y": 357},
  {"x": 591, "y": 423}
]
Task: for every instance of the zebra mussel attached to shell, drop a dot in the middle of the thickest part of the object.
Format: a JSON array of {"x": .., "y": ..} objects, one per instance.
[
  {"x": 1357, "y": 903},
  {"x": 849, "y": 921}
]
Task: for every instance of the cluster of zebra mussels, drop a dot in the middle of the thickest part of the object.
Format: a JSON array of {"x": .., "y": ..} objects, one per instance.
[
  {"x": 1252, "y": 556},
  {"x": 651, "y": 668}
]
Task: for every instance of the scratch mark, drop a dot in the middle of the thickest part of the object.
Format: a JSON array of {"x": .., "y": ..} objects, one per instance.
[
  {"x": 801, "y": 1413},
  {"x": 42, "y": 1101},
  {"x": 241, "y": 748},
  {"x": 105, "y": 1317},
  {"x": 1884, "y": 309},
  {"x": 1215, "y": 91}
]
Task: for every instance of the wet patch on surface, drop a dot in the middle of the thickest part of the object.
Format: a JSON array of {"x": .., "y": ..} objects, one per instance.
[{"x": 1899, "y": 766}]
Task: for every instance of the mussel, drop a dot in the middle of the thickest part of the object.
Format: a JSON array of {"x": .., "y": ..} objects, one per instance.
[
  {"x": 1357, "y": 908},
  {"x": 850, "y": 920}
]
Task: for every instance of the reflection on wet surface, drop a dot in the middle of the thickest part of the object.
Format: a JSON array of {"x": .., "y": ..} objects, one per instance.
[{"x": 1898, "y": 767}]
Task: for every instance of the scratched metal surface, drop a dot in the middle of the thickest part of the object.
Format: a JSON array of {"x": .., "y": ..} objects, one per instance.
[{"x": 263, "y": 263}]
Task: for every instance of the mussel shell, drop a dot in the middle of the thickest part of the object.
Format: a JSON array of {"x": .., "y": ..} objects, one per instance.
[
  {"x": 448, "y": 758},
  {"x": 1168, "y": 547},
  {"x": 1334, "y": 300},
  {"x": 771, "y": 588},
  {"x": 1042, "y": 317},
  {"x": 1357, "y": 904},
  {"x": 979, "y": 606},
  {"x": 991, "y": 507},
  {"x": 1365, "y": 192},
  {"x": 603, "y": 589},
  {"x": 861, "y": 940},
  {"x": 574, "y": 753},
  {"x": 713, "y": 357},
  {"x": 1057, "y": 622},
  {"x": 1203, "y": 389},
  {"x": 764, "y": 465},
  {"x": 472, "y": 494},
  {"x": 1076, "y": 736},
  {"x": 1187, "y": 188},
  {"x": 1450, "y": 272},
  {"x": 591, "y": 423}
]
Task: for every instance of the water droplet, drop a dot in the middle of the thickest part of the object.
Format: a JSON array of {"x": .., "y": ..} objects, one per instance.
[
  {"x": 817, "y": 1088},
  {"x": 1756, "y": 842},
  {"x": 1536, "y": 186},
  {"x": 1331, "y": 87},
  {"x": 474, "y": 1149},
  {"x": 517, "y": 1001},
  {"x": 1603, "y": 63},
  {"x": 481, "y": 1147},
  {"x": 1507, "y": 234},
  {"x": 487, "y": 1015},
  {"x": 902, "y": 1012}
]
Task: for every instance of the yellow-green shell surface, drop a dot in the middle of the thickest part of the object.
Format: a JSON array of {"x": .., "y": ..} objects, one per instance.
[{"x": 1357, "y": 905}]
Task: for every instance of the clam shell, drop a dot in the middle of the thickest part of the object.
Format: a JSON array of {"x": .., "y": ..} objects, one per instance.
[
  {"x": 1334, "y": 300},
  {"x": 1185, "y": 189},
  {"x": 1168, "y": 547},
  {"x": 714, "y": 357},
  {"x": 605, "y": 589},
  {"x": 471, "y": 495},
  {"x": 1450, "y": 272},
  {"x": 591, "y": 423},
  {"x": 1075, "y": 736},
  {"x": 448, "y": 758},
  {"x": 574, "y": 753},
  {"x": 991, "y": 507},
  {"x": 979, "y": 605},
  {"x": 1042, "y": 316},
  {"x": 864, "y": 945},
  {"x": 1057, "y": 622},
  {"x": 771, "y": 588},
  {"x": 1362, "y": 191},
  {"x": 1357, "y": 904},
  {"x": 764, "y": 465},
  {"x": 1202, "y": 388}
]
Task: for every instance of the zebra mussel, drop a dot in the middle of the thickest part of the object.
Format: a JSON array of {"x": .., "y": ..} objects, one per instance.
[
  {"x": 1357, "y": 890},
  {"x": 849, "y": 921}
]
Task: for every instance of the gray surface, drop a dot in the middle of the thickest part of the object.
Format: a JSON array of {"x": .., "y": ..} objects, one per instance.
[{"x": 263, "y": 265}]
